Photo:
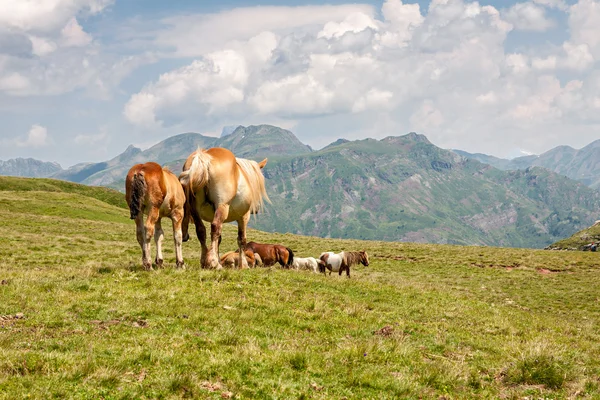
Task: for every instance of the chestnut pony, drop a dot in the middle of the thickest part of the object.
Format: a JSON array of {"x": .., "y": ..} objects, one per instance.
[
  {"x": 272, "y": 253},
  {"x": 221, "y": 188},
  {"x": 156, "y": 192}
]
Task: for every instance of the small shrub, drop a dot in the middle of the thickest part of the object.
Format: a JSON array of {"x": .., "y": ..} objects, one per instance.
[
  {"x": 537, "y": 370},
  {"x": 299, "y": 361}
]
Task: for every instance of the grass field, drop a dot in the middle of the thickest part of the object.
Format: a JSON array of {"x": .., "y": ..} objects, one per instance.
[{"x": 79, "y": 318}]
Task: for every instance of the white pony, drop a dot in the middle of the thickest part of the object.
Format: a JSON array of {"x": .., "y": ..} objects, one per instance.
[
  {"x": 342, "y": 261},
  {"x": 309, "y": 263}
]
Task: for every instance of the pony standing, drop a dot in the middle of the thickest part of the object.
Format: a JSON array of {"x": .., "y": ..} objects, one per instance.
[
  {"x": 156, "y": 192},
  {"x": 342, "y": 261},
  {"x": 273, "y": 253},
  {"x": 221, "y": 188}
]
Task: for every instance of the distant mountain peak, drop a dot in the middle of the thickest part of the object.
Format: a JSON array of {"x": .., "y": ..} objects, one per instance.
[
  {"x": 411, "y": 136},
  {"x": 132, "y": 150},
  {"x": 228, "y": 130}
]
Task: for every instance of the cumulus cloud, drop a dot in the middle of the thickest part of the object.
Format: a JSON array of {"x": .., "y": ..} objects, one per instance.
[
  {"x": 528, "y": 17},
  {"x": 56, "y": 54},
  {"x": 444, "y": 71},
  {"x": 36, "y": 137}
]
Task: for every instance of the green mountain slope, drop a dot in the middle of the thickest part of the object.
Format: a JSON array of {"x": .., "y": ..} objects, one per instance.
[
  {"x": 406, "y": 189},
  {"x": 262, "y": 141}
]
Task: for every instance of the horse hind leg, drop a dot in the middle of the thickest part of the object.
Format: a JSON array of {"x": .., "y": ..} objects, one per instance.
[
  {"x": 147, "y": 237},
  {"x": 159, "y": 236},
  {"x": 216, "y": 227},
  {"x": 140, "y": 231},
  {"x": 241, "y": 239},
  {"x": 178, "y": 239}
]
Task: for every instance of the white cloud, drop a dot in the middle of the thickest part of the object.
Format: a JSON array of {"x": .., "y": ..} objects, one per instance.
[
  {"x": 45, "y": 16},
  {"x": 55, "y": 54},
  {"x": 559, "y": 4},
  {"x": 37, "y": 137},
  {"x": 528, "y": 17},
  {"x": 73, "y": 34}
]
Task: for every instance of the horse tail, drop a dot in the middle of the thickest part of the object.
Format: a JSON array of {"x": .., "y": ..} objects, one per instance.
[
  {"x": 138, "y": 192},
  {"x": 323, "y": 261},
  {"x": 196, "y": 176},
  {"x": 256, "y": 181},
  {"x": 290, "y": 257}
]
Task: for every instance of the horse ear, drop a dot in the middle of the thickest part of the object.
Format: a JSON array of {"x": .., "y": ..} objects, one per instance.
[{"x": 262, "y": 163}]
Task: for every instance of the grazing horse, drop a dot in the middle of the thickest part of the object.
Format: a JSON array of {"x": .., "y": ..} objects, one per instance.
[
  {"x": 309, "y": 263},
  {"x": 221, "y": 188},
  {"x": 272, "y": 253},
  {"x": 232, "y": 259},
  {"x": 342, "y": 261},
  {"x": 152, "y": 190}
]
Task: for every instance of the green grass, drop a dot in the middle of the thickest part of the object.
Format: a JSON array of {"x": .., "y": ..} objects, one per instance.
[{"x": 459, "y": 322}]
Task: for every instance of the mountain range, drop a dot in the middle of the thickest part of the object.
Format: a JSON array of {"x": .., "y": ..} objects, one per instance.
[
  {"x": 582, "y": 165},
  {"x": 401, "y": 188}
]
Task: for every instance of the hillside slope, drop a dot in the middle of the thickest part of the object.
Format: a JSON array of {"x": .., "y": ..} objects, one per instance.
[
  {"x": 106, "y": 195},
  {"x": 80, "y": 319}
]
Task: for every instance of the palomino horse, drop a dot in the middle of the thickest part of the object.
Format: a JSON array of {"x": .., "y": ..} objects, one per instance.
[
  {"x": 154, "y": 191},
  {"x": 342, "y": 261},
  {"x": 309, "y": 263},
  {"x": 272, "y": 253},
  {"x": 232, "y": 259},
  {"x": 221, "y": 188}
]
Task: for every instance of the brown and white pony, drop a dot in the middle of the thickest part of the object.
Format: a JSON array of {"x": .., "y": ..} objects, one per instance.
[
  {"x": 156, "y": 192},
  {"x": 342, "y": 261},
  {"x": 232, "y": 259},
  {"x": 272, "y": 253},
  {"x": 221, "y": 188}
]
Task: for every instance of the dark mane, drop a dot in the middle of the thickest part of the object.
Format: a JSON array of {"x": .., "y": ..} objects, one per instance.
[{"x": 353, "y": 257}]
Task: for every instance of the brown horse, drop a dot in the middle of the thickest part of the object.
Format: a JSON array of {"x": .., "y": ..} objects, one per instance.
[
  {"x": 221, "y": 188},
  {"x": 232, "y": 259},
  {"x": 152, "y": 190},
  {"x": 342, "y": 261},
  {"x": 272, "y": 253}
]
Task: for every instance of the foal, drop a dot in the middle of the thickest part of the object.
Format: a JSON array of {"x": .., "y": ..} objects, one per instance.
[{"x": 152, "y": 190}]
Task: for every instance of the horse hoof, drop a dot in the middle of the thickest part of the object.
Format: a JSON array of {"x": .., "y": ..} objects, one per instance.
[
  {"x": 180, "y": 264},
  {"x": 159, "y": 263},
  {"x": 147, "y": 266}
]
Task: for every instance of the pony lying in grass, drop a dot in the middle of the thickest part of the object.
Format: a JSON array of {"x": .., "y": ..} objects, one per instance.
[
  {"x": 272, "y": 253},
  {"x": 342, "y": 261},
  {"x": 221, "y": 188},
  {"x": 309, "y": 263},
  {"x": 156, "y": 192},
  {"x": 232, "y": 259}
]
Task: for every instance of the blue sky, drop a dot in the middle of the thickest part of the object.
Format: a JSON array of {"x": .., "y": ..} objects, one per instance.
[{"x": 80, "y": 80}]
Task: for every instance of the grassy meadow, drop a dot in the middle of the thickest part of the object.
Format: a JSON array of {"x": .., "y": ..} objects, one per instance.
[{"x": 79, "y": 318}]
